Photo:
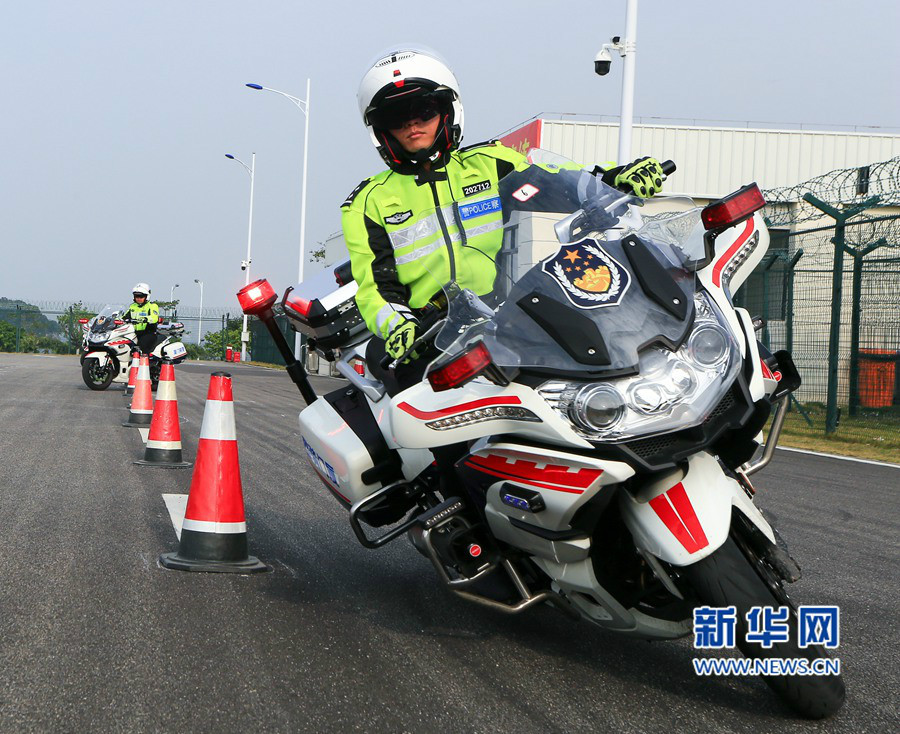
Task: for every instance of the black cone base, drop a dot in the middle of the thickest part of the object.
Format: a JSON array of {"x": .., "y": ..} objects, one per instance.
[
  {"x": 170, "y": 458},
  {"x": 212, "y": 552},
  {"x": 138, "y": 421},
  {"x": 167, "y": 464},
  {"x": 174, "y": 561}
]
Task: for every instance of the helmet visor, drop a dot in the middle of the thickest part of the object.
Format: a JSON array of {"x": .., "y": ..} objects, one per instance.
[
  {"x": 139, "y": 295},
  {"x": 394, "y": 114}
]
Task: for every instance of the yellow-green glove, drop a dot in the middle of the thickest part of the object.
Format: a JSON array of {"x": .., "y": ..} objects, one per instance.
[
  {"x": 644, "y": 177},
  {"x": 400, "y": 339}
]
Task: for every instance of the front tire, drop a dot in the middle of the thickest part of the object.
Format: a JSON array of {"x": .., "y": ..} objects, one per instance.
[
  {"x": 727, "y": 578},
  {"x": 95, "y": 376}
]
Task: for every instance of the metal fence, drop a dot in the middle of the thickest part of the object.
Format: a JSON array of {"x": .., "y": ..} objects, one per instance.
[
  {"x": 53, "y": 327},
  {"x": 831, "y": 296}
]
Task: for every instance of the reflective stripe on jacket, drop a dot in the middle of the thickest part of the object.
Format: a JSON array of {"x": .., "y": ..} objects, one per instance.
[{"x": 141, "y": 316}]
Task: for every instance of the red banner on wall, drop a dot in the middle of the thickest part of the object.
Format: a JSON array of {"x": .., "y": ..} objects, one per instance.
[{"x": 524, "y": 138}]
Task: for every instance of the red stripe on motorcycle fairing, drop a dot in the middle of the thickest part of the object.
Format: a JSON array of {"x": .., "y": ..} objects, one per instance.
[
  {"x": 556, "y": 473},
  {"x": 429, "y": 414},
  {"x": 670, "y": 519},
  {"x": 521, "y": 480},
  {"x": 682, "y": 504},
  {"x": 729, "y": 253}
]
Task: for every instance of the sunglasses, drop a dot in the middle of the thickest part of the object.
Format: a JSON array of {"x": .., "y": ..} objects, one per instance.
[{"x": 398, "y": 114}]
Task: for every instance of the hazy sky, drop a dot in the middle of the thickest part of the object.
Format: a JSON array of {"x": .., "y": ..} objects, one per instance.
[{"x": 117, "y": 115}]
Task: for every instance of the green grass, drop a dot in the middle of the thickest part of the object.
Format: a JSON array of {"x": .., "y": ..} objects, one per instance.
[{"x": 872, "y": 434}]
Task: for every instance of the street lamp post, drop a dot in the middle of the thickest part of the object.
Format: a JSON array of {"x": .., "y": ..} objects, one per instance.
[
  {"x": 245, "y": 265},
  {"x": 303, "y": 106},
  {"x": 200, "y": 325},
  {"x": 172, "y": 295},
  {"x": 626, "y": 47}
]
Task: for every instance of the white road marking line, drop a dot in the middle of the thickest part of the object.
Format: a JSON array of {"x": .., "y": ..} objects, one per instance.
[
  {"x": 838, "y": 456},
  {"x": 176, "y": 504},
  {"x": 144, "y": 433}
]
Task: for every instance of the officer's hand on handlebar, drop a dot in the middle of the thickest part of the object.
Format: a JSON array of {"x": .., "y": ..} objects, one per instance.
[
  {"x": 401, "y": 339},
  {"x": 643, "y": 177}
]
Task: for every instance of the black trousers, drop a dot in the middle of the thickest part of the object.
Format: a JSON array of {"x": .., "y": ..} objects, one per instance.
[{"x": 146, "y": 339}]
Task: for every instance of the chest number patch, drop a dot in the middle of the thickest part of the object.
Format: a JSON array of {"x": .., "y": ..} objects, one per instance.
[
  {"x": 476, "y": 188},
  {"x": 398, "y": 218}
]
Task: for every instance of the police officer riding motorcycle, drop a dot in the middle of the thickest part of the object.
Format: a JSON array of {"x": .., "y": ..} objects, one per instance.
[
  {"x": 410, "y": 104},
  {"x": 144, "y": 314}
]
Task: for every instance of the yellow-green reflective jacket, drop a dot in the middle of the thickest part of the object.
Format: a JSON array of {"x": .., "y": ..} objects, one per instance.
[
  {"x": 397, "y": 229},
  {"x": 143, "y": 315}
]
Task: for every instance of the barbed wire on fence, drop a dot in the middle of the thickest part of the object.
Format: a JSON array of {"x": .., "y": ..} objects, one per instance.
[{"x": 841, "y": 187}]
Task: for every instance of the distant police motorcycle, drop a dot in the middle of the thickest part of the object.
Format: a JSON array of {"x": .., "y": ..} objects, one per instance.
[
  {"x": 607, "y": 401},
  {"x": 109, "y": 339}
]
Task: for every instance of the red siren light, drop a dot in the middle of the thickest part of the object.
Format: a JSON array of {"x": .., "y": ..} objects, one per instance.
[
  {"x": 257, "y": 297},
  {"x": 466, "y": 367},
  {"x": 733, "y": 208}
]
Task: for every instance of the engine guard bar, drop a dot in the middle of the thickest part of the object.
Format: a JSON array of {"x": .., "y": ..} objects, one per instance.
[{"x": 754, "y": 466}]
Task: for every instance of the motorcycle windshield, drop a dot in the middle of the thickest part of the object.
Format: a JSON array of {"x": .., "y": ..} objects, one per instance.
[
  {"x": 576, "y": 277},
  {"x": 105, "y": 320}
]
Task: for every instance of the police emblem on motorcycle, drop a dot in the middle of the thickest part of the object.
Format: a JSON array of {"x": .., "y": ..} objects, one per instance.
[{"x": 587, "y": 274}]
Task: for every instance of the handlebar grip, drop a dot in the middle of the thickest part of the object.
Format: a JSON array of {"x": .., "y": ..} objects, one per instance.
[
  {"x": 668, "y": 167},
  {"x": 385, "y": 361}
]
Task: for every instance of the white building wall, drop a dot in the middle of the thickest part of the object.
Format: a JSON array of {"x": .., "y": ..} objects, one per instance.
[{"x": 713, "y": 162}]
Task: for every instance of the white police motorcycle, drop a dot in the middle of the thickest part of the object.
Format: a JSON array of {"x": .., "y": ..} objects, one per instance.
[
  {"x": 607, "y": 402},
  {"x": 109, "y": 340}
]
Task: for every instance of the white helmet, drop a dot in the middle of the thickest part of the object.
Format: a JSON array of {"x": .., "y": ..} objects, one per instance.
[
  {"x": 398, "y": 82},
  {"x": 141, "y": 289}
]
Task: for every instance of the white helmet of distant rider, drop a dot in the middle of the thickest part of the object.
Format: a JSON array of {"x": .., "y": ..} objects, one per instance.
[
  {"x": 141, "y": 290},
  {"x": 411, "y": 83}
]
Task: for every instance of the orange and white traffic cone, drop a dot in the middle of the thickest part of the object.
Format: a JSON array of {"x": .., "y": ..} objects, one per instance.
[
  {"x": 141, "y": 411},
  {"x": 132, "y": 372},
  {"x": 214, "y": 531},
  {"x": 164, "y": 441}
]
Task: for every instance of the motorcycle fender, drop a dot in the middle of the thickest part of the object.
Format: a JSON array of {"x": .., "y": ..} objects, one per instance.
[
  {"x": 101, "y": 357},
  {"x": 685, "y": 516}
]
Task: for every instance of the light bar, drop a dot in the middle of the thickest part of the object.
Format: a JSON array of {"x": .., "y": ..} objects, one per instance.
[
  {"x": 733, "y": 208},
  {"x": 465, "y": 367},
  {"x": 82, "y": 321},
  {"x": 256, "y": 297},
  {"x": 494, "y": 413}
]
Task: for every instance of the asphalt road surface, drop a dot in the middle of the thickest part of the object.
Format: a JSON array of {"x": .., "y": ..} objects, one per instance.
[{"x": 95, "y": 636}]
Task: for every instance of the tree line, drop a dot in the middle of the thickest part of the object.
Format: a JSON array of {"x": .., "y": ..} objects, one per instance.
[{"x": 24, "y": 328}]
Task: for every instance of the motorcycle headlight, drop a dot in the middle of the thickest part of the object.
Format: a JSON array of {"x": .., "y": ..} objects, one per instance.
[
  {"x": 99, "y": 338},
  {"x": 708, "y": 345},
  {"x": 598, "y": 407},
  {"x": 672, "y": 390}
]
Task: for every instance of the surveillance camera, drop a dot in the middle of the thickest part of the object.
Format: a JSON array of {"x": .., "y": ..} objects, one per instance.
[
  {"x": 244, "y": 264},
  {"x": 602, "y": 62}
]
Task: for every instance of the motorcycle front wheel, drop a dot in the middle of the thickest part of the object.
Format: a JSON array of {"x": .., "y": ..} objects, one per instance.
[
  {"x": 728, "y": 577},
  {"x": 95, "y": 376}
]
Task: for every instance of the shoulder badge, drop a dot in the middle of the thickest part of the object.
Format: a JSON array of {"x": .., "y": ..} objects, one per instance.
[
  {"x": 588, "y": 275},
  {"x": 353, "y": 194}
]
